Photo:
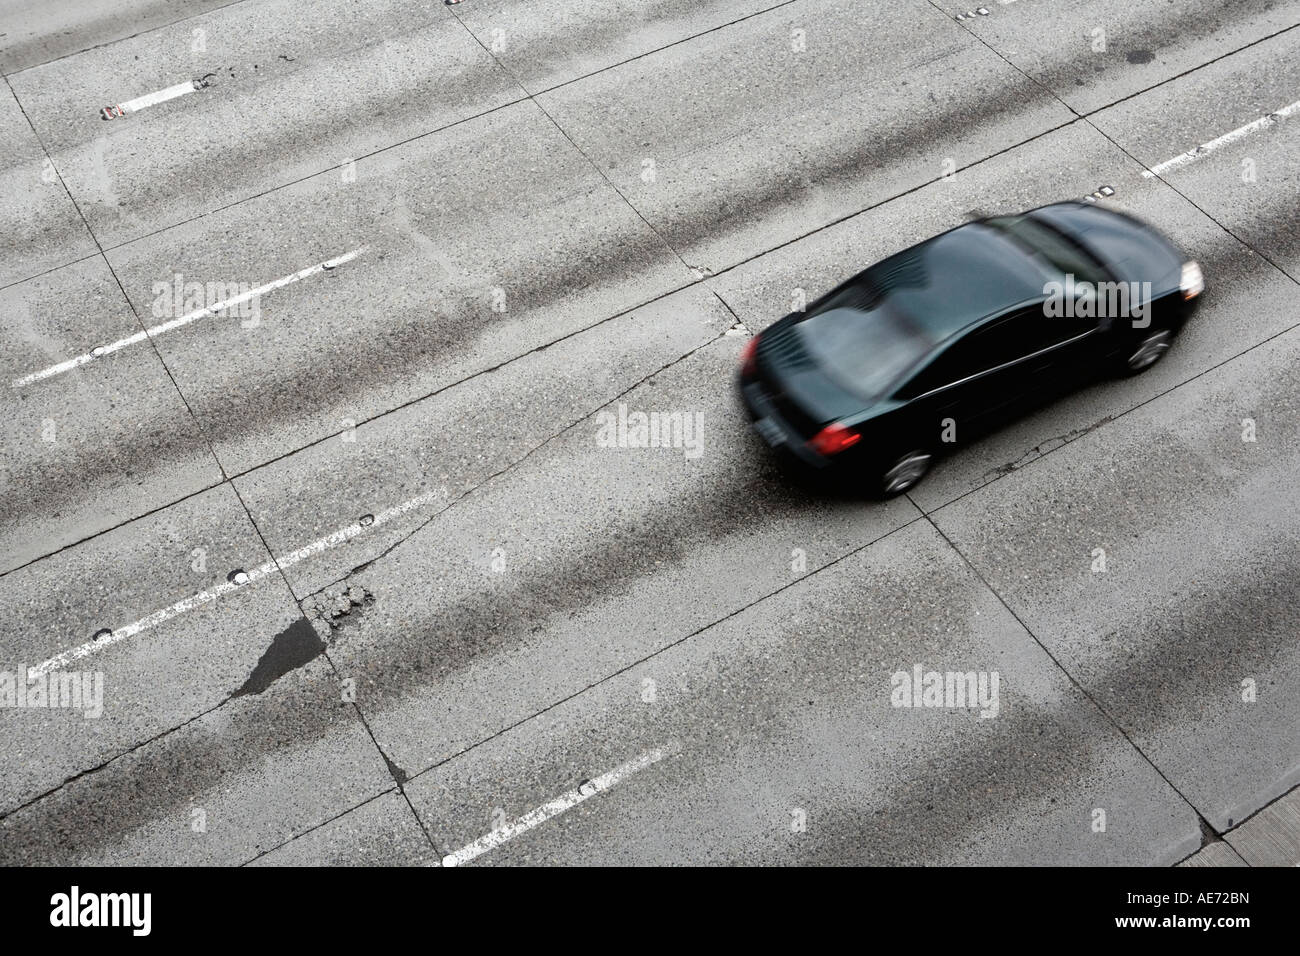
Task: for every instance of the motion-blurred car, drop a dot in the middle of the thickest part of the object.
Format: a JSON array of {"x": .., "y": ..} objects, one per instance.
[{"x": 878, "y": 374}]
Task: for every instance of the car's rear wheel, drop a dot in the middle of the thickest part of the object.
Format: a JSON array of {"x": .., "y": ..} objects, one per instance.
[
  {"x": 904, "y": 472},
  {"x": 1149, "y": 350}
]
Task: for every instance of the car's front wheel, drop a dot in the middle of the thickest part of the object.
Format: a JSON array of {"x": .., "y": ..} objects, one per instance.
[
  {"x": 1148, "y": 350},
  {"x": 904, "y": 472}
]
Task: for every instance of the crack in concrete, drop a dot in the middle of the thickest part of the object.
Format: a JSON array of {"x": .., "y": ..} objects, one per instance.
[{"x": 1041, "y": 449}]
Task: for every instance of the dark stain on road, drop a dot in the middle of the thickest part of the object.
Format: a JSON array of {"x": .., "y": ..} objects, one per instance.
[
  {"x": 293, "y": 647},
  {"x": 399, "y": 775}
]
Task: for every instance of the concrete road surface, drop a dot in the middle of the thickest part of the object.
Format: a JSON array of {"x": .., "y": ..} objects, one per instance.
[{"x": 310, "y": 352}]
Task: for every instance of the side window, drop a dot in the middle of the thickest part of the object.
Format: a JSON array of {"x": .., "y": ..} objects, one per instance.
[
  {"x": 1004, "y": 340},
  {"x": 997, "y": 343},
  {"x": 1035, "y": 329},
  {"x": 959, "y": 360}
]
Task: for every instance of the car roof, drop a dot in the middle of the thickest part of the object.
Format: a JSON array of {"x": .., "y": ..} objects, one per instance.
[{"x": 956, "y": 279}]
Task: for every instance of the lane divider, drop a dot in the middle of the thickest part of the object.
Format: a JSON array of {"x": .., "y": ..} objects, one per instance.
[
  {"x": 561, "y": 804},
  {"x": 172, "y": 324},
  {"x": 153, "y": 99},
  {"x": 1206, "y": 148}
]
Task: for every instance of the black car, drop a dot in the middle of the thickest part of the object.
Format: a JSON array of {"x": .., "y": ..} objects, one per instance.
[{"x": 890, "y": 366}]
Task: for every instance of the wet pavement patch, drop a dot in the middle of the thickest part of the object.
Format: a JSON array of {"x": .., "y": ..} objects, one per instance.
[
  {"x": 399, "y": 775},
  {"x": 293, "y": 647}
]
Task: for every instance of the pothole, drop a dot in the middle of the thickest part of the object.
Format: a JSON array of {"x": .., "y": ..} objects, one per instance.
[{"x": 338, "y": 606}]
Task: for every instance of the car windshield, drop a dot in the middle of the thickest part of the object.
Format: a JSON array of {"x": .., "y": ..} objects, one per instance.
[
  {"x": 1053, "y": 251},
  {"x": 864, "y": 351}
]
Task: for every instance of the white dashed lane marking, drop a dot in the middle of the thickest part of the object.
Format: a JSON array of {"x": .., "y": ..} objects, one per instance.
[
  {"x": 560, "y": 804},
  {"x": 151, "y": 99},
  {"x": 179, "y": 322},
  {"x": 1205, "y": 148},
  {"x": 117, "y": 635}
]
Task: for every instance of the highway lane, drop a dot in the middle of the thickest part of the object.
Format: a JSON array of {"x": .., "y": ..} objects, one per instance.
[
  {"x": 1094, "y": 52},
  {"x": 543, "y": 47},
  {"x": 785, "y": 747},
  {"x": 538, "y": 585},
  {"x": 41, "y": 227},
  {"x": 499, "y": 640},
  {"x": 447, "y": 445},
  {"x": 289, "y": 94},
  {"x": 37, "y": 31},
  {"x": 740, "y": 140},
  {"x": 96, "y": 448}
]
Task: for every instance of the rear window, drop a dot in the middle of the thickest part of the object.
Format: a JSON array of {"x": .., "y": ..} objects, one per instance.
[
  {"x": 946, "y": 283},
  {"x": 865, "y": 351},
  {"x": 871, "y": 330}
]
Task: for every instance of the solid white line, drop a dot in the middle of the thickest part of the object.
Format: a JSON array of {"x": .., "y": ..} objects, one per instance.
[
  {"x": 60, "y": 661},
  {"x": 183, "y": 320},
  {"x": 553, "y": 809},
  {"x": 160, "y": 96},
  {"x": 1224, "y": 140}
]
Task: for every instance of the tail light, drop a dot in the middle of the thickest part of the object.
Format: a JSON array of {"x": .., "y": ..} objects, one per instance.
[
  {"x": 833, "y": 439},
  {"x": 747, "y": 356}
]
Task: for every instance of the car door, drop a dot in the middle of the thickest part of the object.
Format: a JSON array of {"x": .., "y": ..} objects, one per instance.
[
  {"x": 986, "y": 370},
  {"x": 1056, "y": 348}
]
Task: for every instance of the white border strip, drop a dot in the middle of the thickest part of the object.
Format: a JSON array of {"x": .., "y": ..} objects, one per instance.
[
  {"x": 557, "y": 806},
  {"x": 60, "y": 661},
  {"x": 1224, "y": 140},
  {"x": 184, "y": 320}
]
